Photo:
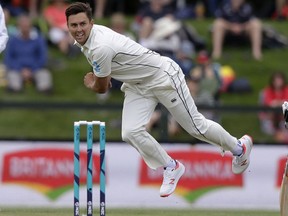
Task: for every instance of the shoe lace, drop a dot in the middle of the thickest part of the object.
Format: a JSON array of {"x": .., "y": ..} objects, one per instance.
[
  {"x": 222, "y": 152},
  {"x": 236, "y": 159},
  {"x": 167, "y": 175}
]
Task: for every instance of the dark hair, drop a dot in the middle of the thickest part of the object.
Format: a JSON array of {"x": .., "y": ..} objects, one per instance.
[
  {"x": 275, "y": 75},
  {"x": 79, "y": 7}
]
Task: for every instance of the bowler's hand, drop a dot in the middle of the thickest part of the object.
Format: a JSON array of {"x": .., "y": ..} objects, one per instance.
[
  {"x": 97, "y": 84},
  {"x": 89, "y": 80}
]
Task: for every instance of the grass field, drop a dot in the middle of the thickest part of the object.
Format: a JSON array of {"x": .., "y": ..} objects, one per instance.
[{"x": 133, "y": 212}]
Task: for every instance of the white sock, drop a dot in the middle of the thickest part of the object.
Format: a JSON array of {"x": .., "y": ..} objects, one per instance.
[
  {"x": 171, "y": 164},
  {"x": 238, "y": 150}
]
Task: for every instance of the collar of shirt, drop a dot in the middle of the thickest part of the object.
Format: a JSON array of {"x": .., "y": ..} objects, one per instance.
[{"x": 88, "y": 43}]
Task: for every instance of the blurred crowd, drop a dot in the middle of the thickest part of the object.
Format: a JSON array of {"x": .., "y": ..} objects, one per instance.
[{"x": 159, "y": 25}]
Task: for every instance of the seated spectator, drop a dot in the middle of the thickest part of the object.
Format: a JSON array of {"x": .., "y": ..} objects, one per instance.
[
  {"x": 281, "y": 9},
  {"x": 25, "y": 58},
  {"x": 118, "y": 23},
  {"x": 58, "y": 34},
  {"x": 146, "y": 17},
  {"x": 164, "y": 31},
  {"x": 204, "y": 82},
  {"x": 213, "y": 5},
  {"x": 182, "y": 39},
  {"x": 237, "y": 19},
  {"x": 207, "y": 74},
  {"x": 273, "y": 96}
]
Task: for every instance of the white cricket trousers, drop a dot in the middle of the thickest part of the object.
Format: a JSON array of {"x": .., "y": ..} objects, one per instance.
[{"x": 169, "y": 88}]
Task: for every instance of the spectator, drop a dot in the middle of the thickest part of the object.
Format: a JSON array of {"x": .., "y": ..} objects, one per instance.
[
  {"x": 58, "y": 34},
  {"x": 164, "y": 31},
  {"x": 118, "y": 23},
  {"x": 212, "y": 6},
  {"x": 237, "y": 19},
  {"x": 25, "y": 58},
  {"x": 145, "y": 19},
  {"x": 167, "y": 30},
  {"x": 156, "y": 9},
  {"x": 205, "y": 80},
  {"x": 274, "y": 96},
  {"x": 281, "y": 9},
  {"x": 3, "y": 31}
]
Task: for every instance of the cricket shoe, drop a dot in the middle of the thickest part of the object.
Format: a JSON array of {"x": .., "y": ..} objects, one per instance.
[
  {"x": 240, "y": 163},
  {"x": 171, "y": 177}
]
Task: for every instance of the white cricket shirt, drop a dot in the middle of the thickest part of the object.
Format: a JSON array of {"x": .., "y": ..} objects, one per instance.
[
  {"x": 111, "y": 53},
  {"x": 3, "y": 31}
]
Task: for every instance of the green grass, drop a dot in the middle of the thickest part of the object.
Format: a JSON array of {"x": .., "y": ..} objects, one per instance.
[
  {"x": 68, "y": 87},
  {"x": 51, "y": 125},
  {"x": 133, "y": 212}
]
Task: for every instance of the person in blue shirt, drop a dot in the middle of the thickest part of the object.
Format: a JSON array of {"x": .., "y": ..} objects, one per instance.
[{"x": 25, "y": 58}]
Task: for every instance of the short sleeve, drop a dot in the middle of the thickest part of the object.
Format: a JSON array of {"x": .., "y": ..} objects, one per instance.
[{"x": 101, "y": 61}]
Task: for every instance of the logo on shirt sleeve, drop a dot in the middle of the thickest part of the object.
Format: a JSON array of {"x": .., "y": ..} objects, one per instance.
[{"x": 96, "y": 67}]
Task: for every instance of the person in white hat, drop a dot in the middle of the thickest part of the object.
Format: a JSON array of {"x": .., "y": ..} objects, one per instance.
[
  {"x": 148, "y": 79},
  {"x": 163, "y": 33}
]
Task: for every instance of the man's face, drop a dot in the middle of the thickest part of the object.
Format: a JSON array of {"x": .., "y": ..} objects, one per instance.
[
  {"x": 79, "y": 27},
  {"x": 24, "y": 25}
]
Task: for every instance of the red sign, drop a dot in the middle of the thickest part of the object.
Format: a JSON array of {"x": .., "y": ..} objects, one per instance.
[{"x": 51, "y": 168}]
